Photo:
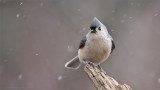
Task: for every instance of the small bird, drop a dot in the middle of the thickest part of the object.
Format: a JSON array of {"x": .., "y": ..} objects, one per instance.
[{"x": 94, "y": 48}]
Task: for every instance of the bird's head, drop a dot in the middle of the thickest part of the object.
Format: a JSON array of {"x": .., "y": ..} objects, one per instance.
[{"x": 97, "y": 28}]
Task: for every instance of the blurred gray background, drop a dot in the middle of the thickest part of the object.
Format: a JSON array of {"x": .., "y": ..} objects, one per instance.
[{"x": 37, "y": 37}]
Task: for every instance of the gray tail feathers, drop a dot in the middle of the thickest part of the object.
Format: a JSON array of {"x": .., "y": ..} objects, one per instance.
[{"x": 74, "y": 63}]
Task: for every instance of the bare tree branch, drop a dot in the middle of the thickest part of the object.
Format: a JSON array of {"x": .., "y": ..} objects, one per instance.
[{"x": 102, "y": 81}]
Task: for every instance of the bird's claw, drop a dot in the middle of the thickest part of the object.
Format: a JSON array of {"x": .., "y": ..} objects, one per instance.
[{"x": 101, "y": 69}]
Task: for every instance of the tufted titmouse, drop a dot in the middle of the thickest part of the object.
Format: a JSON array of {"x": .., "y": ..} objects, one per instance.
[{"x": 94, "y": 48}]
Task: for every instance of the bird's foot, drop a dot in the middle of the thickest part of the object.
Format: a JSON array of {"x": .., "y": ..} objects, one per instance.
[
  {"x": 89, "y": 62},
  {"x": 101, "y": 69}
]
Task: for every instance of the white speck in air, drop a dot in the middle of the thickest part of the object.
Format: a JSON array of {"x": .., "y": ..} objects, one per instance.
[
  {"x": 156, "y": 14},
  {"x": 41, "y": 4},
  {"x": 36, "y": 54},
  {"x": 60, "y": 77},
  {"x": 130, "y": 17},
  {"x": 70, "y": 48},
  {"x": 122, "y": 21},
  {"x": 20, "y": 77},
  {"x": 158, "y": 80},
  {"x": 84, "y": 29},
  {"x": 113, "y": 11},
  {"x": 17, "y": 16},
  {"x": 132, "y": 3},
  {"x": 78, "y": 9},
  {"x": 21, "y": 3}
]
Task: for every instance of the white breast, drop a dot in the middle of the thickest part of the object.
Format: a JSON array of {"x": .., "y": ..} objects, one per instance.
[{"x": 97, "y": 49}]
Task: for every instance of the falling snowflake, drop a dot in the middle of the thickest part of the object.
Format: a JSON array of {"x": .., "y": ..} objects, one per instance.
[
  {"x": 20, "y": 77},
  {"x": 158, "y": 80},
  {"x": 36, "y": 54},
  {"x": 84, "y": 29},
  {"x": 130, "y": 17},
  {"x": 113, "y": 11},
  {"x": 132, "y": 3},
  {"x": 122, "y": 21},
  {"x": 70, "y": 48},
  {"x": 156, "y": 14},
  {"x": 17, "y": 16},
  {"x": 21, "y": 3},
  {"x": 60, "y": 77},
  {"x": 41, "y": 4},
  {"x": 78, "y": 9}
]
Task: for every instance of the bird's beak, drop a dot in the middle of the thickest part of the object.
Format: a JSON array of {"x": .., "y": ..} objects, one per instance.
[{"x": 93, "y": 31}]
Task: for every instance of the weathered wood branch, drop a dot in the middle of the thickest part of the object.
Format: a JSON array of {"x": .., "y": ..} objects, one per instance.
[{"x": 102, "y": 81}]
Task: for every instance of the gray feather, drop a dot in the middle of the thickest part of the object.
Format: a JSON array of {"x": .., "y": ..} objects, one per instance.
[
  {"x": 95, "y": 23},
  {"x": 82, "y": 43},
  {"x": 113, "y": 45}
]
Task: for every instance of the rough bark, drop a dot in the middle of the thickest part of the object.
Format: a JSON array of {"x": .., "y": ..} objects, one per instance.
[{"x": 102, "y": 81}]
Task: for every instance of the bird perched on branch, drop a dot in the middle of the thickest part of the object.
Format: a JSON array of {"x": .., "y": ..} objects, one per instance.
[{"x": 94, "y": 48}]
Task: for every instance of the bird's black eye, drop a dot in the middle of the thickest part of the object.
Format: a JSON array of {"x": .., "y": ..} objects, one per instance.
[{"x": 99, "y": 28}]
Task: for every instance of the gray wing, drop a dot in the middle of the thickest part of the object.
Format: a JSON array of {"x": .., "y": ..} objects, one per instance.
[
  {"x": 113, "y": 45},
  {"x": 82, "y": 43}
]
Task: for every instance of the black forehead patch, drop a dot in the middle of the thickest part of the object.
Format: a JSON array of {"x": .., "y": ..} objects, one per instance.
[{"x": 93, "y": 28}]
